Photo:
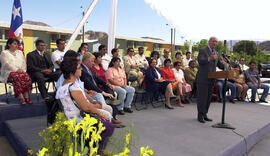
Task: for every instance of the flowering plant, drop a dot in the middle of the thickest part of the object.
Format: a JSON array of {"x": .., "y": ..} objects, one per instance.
[{"x": 68, "y": 138}]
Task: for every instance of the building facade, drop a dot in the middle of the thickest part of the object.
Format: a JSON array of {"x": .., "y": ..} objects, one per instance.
[{"x": 31, "y": 33}]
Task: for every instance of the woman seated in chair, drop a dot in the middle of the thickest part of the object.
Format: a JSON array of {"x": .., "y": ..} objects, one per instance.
[
  {"x": 14, "y": 70},
  {"x": 117, "y": 77},
  {"x": 179, "y": 75},
  {"x": 74, "y": 99},
  {"x": 155, "y": 82},
  {"x": 240, "y": 84},
  {"x": 168, "y": 74}
]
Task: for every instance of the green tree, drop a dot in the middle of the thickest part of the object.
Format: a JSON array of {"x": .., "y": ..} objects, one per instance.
[
  {"x": 197, "y": 46},
  {"x": 249, "y": 47},
  {"x": 184, "y": 48}
]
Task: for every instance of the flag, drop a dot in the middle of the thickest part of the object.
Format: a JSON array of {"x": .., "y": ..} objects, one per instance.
[{"x": 16, "y": 30}]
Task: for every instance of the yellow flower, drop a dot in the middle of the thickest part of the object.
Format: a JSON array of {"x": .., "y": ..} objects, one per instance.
[
  {"x": 42, "y": 151},
  {"x": 127, "y": 138},
  {"x": 125, "y": 153},
  {"x": 146, "y": 151},
  {"x": 30, "y": 152},
  {"x": 77, "y": 154},
  {"x": 93, "y": 151}
]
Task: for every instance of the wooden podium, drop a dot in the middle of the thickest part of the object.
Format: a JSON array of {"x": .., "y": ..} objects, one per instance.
[{"x": 229, "y": 74}]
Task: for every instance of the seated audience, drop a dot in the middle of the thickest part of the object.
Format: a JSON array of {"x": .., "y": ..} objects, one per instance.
[
  {"x": 178, "y": 58},
  {"x": 156, "y": 84},
  {"x": 187, "y": 59},
  {"x": 115, "y": 53},
  {"x": 58, "y": 55},
  {"x": 106, "y": 58},
  {"x": 40, "y": 67},
  {"x": 254, "y": 82},
  {"x": 231, "y": 86},
  {"x": 190, "y": 74},
  {"x": 166, "y": 55},
  {"x": 82, "y": 50},
  {"x": 132, "y": 68},
  {"x": 117, "y": 77},
  {"x": 168, "y": 75},
  {"x": 74, "y": 99},
  {"x": 92, "y": 82},
  {"x": 13, "y": 69},
  {"x": 240, "y": 84},
  {"x": 155, "y": 55},
  {"x": 141, "y": 60},
  {"x": 97, "y": 67},
  {"x": 179, "y": 75},
  {"x": 242, "y": 64}
]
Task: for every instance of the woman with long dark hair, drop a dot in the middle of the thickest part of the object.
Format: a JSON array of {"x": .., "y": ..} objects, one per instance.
[
  {"x": 82, "y": 50},
  {"x": 74, "y": 99}
]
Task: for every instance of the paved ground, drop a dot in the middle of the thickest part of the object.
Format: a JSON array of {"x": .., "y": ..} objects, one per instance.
[
  {"x": 260, "y": 149},
  {"x": 5, "y": 149}
]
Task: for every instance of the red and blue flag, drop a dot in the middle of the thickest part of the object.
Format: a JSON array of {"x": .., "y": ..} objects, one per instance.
[{"x": 16, "y": 30}]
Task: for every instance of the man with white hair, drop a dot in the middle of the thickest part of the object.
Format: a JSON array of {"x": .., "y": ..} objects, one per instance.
[{"x": 208, "y": 61}]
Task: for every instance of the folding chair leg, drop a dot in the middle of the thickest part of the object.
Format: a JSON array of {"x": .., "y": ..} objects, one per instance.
[
  {"x": 135, "y": 100},
  {"x": 6, "y": 93},
  {"x": 36, "y": 91}
]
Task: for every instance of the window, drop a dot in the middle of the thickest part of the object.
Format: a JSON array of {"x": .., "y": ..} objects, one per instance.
[
  {"x": 64, "y": 37},
  {"x": 6, "y": 34},
  {"x": 157, "y": 47},
  {"x": 1, "y": 34},
  {"x": 53, "y": 37},
  {"x": 130, "y": 44}
]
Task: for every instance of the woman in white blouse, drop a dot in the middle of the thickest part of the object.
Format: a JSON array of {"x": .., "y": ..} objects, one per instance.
[
  {"x": 179, "y": 75},
  {"x": 14, "y": 70}
]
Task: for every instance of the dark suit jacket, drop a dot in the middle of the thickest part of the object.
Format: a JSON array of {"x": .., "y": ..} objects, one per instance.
[
  {"x": 87, "y": 79},
  {"x": 150, "y": 76},
  {"x": 34, "y": 62},
  {"x": 206, "y": 66}
]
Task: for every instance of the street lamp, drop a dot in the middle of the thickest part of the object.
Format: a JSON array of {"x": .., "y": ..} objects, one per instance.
[
  {"x": 83, "y": 25},
  {"x": 172, "y": 40}
]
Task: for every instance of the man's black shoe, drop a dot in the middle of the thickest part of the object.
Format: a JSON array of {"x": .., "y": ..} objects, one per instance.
[
  {"x": 200, "y": 118},
  {"x": 261, "y": 100},
  {"x": 128, "y": 110},
  {"x": 252, "y": 101},
  {"x": 207, "y": 119}
]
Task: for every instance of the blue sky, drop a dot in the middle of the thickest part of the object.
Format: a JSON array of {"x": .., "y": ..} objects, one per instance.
[{"x": 135, "y": 18}]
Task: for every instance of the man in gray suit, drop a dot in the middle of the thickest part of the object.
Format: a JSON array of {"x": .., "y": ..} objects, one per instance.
[{"x": 208, "y": 61}]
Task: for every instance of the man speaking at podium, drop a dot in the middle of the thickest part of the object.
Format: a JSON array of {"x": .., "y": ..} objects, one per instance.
[{"x": 208, "y": 61}]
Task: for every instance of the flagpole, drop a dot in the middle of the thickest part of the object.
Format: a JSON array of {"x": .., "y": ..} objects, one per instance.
[
  {"x": 81, "y": 24},
  {"x": 111, "y": 33}
]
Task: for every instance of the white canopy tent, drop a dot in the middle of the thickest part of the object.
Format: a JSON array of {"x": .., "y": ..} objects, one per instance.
[{"x": 230, "y": 19}]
